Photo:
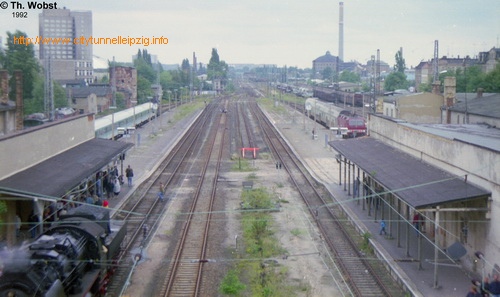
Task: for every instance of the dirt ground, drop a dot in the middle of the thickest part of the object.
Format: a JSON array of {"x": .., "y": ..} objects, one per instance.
[{"x": 309, "y": 264}]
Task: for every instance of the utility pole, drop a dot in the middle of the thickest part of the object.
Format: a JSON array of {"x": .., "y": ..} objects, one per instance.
[
  {"x": 49, "y": 90},
  {"x": 113, "y": 84},
  {"x": 435, "y": 63}
]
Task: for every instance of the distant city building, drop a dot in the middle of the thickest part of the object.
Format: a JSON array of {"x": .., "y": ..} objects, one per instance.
[
  {"x": 476, "y": 108},
  {"x": 94, "y": 98},
  {"x": 326, "y": 61},
  {"x": 125, "y": 82},
  {"x": 424, "y": 74},
  {"x": 421, "y": 108},
  {"x": 489, "y": 60},
  {"x": 69, "y": 59}
]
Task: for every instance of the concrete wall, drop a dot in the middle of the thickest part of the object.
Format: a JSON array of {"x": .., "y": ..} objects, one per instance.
[
  {"x": 22, "y": 150},
  {"x": 420, "y": 108},
  {"x": 459, "y": 118},
  {"x": 423, "y": 108},
  {"x": 481, "y": 165}
]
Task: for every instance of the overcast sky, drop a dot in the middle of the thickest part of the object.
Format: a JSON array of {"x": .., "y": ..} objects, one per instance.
[{"x": 280, "y": 32}]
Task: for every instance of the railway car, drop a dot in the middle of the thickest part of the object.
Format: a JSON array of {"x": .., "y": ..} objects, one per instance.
[
  {"x": 72, "y": 258},
  {"x": 338, "y": 96},
  {"x": 353, "y": 124},
  {"x": 325, "y": 113},
  {"x": 110, "y": 126}
]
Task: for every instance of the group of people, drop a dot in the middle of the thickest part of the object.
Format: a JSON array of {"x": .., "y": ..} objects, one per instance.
[{"x": 485, "y": 289}]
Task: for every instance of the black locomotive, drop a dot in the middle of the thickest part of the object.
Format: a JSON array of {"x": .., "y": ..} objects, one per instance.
[{"x": 75, "y": 257}]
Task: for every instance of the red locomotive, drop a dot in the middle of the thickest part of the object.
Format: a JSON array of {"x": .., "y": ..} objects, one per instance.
[{"x": 351, "y": 124}]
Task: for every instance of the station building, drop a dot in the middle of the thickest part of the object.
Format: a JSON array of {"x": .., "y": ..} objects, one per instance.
[
  {"x": 43, "y": 168},
  {"x": 445, "y": 175}
]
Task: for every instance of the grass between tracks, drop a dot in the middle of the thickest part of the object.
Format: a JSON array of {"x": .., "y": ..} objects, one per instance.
[{"x": 258, "y": 273}]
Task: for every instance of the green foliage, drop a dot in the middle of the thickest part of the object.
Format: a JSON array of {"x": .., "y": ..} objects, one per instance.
[
  {"x": 327, "y": 73},
  {"x": 146, "y": 75},
  {"x": 296, "y": 232},
  {"x": 36, "y": 102},
  {"x": 349, "y": 76},
  {"x": 20, "y": 57},
  {"x": 472, "y": 78},
  {"x": 143, "y": 90},
  {"x": 400, "y": 62},
  {"x": 145, "y": 70},
  {"x": 491, "y": 82},
  {"x": 231, "y": 284},
  {"x": 3, "y": 209},
  {"x": 216, "y": 69},
  {"x": 120, "y": 101},
  {"x": 425, "y": 87},
  {"x": 365, "y": 245},
  {"x": 185, "y": 65},
  {"x": 395, "y": 80},
  {"x": 257, "y": 199}
]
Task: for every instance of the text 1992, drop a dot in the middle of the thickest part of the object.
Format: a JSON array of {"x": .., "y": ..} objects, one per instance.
[{"x": 20, "y": 14}]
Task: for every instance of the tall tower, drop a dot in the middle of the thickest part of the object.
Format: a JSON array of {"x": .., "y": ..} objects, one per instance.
[
  {"x": 341, "y": 31},
  {"x": 69, "y": 60}
]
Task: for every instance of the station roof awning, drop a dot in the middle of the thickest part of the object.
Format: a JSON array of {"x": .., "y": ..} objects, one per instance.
[
  {"x": 418, "y": 183},
  {"x": 56, "y": 176}
]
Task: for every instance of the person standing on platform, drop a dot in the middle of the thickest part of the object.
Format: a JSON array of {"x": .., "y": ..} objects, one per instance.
[
  {"x": 33, "y": 223},
  {"x": 495, "y": 286},
  {"x": 18, "y": 226},
  {"x": 382, "y": 228},
  {"x": 161, "y": 192},
  {"x": 116, "y": 187},
  {"x": 473, "y": 292},
  {"x": 357, "y": 182},
  {"x": 129, "y": 173},
  {"x": 416, "y": 222}
]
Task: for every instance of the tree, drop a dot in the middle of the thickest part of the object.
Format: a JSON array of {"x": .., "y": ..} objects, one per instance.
[
  {"x": 395, "y": 80},
  {"x": 492, "y": 81},
  {"x": 143, "y": 90},
  {"x": 185, "y": 65},
  {"x": 20, "y": 57},
  {"x": 327, "y": 73},
  {"x": 400, "y": 62},
  {"x": 36, "y": 104},
  {"x": 349, "y": 76},
  {"x": 216, "y": 69}
]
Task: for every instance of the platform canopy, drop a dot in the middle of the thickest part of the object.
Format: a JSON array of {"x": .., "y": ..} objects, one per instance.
[
  {"x": 56, "y": 176},
  {"x": 417, "y": 183}
]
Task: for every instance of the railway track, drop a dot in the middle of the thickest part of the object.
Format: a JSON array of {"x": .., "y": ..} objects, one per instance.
[
  {"x": 143, "y": 210},
  {"x": 184, "y": 268},
  {"x": 360, "y": 277},
  {"x": 185, "y": 273}
]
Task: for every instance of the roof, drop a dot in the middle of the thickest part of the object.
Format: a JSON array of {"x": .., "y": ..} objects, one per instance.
[
  {"x": 61, "y": 173},
  {"x": 418, "y": 183},
  {"x": 488, "y": 106},
  {"x": 326, "y": 58},
  {"x": 84, "y": 92},
  {"x": 473, "y": 134}
]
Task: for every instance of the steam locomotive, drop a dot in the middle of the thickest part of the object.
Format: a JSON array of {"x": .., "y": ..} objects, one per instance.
[{"x": 74, "y": 257}]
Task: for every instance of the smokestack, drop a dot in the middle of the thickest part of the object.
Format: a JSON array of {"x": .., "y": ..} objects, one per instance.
[{"x": 341, "y": 31}]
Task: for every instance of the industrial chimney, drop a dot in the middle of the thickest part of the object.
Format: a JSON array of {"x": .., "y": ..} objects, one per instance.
[{"x": 341, "y": 31}]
